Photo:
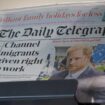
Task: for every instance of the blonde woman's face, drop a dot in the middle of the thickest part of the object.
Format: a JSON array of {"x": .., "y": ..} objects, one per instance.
[{"x": 76, "y": 61}]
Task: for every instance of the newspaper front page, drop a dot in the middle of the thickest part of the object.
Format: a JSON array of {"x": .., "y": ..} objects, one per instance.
[{"x": 55, "y": 42}]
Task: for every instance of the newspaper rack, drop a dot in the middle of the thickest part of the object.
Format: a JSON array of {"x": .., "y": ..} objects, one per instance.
[{"x": 60, "y": 92}]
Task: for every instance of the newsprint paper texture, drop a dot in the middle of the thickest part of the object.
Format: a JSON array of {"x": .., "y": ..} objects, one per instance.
[{"x": 56, "y": 42}]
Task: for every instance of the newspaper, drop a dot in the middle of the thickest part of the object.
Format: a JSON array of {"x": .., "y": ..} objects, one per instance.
[{"x": 53, "y": 42}]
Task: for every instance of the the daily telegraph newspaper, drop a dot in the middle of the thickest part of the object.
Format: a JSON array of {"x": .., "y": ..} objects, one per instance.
[{"x": 56, "y": 42}]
